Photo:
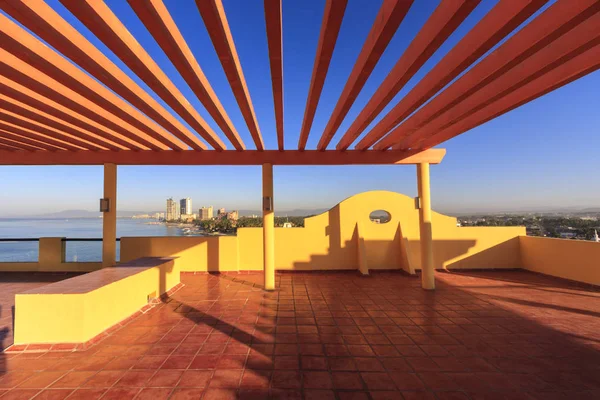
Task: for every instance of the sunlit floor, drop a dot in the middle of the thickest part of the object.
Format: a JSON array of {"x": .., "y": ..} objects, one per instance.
[{"x": 481, "y": 335}]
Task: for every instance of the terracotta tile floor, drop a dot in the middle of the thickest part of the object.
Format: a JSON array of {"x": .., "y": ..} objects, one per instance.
[
  {"x": 18, "y": 282},
  {"x": 482, "y": 335}
]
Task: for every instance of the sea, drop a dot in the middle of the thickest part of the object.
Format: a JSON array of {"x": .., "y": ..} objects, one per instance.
[{"x": 12, "y": 251}]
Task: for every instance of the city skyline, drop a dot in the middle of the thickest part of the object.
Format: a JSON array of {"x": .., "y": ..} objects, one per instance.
[{"x": 521, "y": 160}]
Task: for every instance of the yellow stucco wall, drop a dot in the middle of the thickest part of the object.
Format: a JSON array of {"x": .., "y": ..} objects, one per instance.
[
  {"x": 194, "y": 253},
  {"x": 329, "y": 241},
  {"x": 77, "y": 318},
  {"x": 576, "y": 260}
]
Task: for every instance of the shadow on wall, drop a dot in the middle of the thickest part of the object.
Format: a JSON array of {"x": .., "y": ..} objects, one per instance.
[{"x": 339, "y": 238}]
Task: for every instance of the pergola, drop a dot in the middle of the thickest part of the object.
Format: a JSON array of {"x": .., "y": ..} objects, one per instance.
[{"x": 69, "y": 104}]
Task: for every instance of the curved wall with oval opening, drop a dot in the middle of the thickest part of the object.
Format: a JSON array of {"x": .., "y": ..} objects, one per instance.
[{"x": 380, "y": 217}]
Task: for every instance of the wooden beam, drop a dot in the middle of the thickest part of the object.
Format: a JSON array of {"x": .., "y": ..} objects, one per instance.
[
  {"x": 8, "y": 148},
  {"x": 444, "y": 20},
  {"x": 41, "y": 145},
  {"x": 17, "y": 144},
  {"x": 33, "y": 114},
  {"x": 24, "y": 122},
  {"x": 51, "y": 27},
  {"x": 51, "y": 109},
  {"x": 273, "y": 16},
  {"x": 163, "y": 29},
  {"x": 564, "y": 30},
  {"x": 229, "y": 157},
  {"x": 16, "y": 70},
  {"x": 570, "y": 71},
  {"x": 493, "y": 27},
  {"x": 103, "y": 23},
  {"x": 51, "y": 143},
  {"x": 387, "y": 21},
  {"x": 213, "y": 15},
  {"x": 330, "y": 28}
]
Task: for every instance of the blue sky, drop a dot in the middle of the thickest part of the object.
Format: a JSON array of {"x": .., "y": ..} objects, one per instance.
[{"x": 544, "y": 154}]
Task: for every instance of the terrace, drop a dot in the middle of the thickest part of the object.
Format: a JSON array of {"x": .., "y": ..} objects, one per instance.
[{"x": 343, "y": 308}]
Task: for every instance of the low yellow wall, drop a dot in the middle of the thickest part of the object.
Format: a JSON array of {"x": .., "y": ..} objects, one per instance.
[
  {"x": 51, "y": 259},
  {"x": 194, "y": 253},
  {"x": 77, "y": 318},
  {"x": 329, "y": 241},
  {"x": 576, "y": 260}
]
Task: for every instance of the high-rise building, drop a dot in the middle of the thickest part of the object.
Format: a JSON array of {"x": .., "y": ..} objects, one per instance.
[
  {"x": 233, "y": 215},
  {"x": 221, "y": 212},
  {"x": 186, "y": 206},
  {"x": 206, "y": 213},
  {"x": 172, "y": 210}
]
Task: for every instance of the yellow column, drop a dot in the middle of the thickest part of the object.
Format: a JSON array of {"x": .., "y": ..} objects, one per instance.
[
  {"x": 109, "y": 219},
  {"x": 427, "y": 270},
  {"x": 268, "y": 227}
]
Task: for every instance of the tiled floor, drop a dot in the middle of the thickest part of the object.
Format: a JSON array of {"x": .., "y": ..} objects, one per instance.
[
  {"x": 484, "y": 335},
  {"x": 18, "y": 282}
]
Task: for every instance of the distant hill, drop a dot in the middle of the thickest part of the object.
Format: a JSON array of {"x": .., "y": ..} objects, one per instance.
[
  {"x": 84, "y": 214},
  {"x": 65, "y": 214},
  {"x": 303, "y": 212},
  {"x": 289, "y": 213}
]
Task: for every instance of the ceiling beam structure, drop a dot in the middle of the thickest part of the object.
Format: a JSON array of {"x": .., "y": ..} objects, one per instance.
[
  {"x": 52, "y": 28},
  {"x": 26, "y": 59},
  {"x": 48, "y": 109},
  {"x": 69, "y": 106},
  {"x": 273, "y": 19},
  {"x": 52, "y": 141},
  {"x": 17, "y": 139},
  {"x": 20, "y": 145},
  {"x": 213, "y": 15},
  {"x": 104, "y": 24},
  {"x": 229, "y": 157},
  {"x": 7, "y": 116},
  {"x": 563, "y": 31},
  {"x": 444, "y": 20},
  {"x": 39, "y": 116},
  {"x": 387, "y": 21},
  {"x": 64, "y": 102},
  {"x": 158, "y": 21},
  {"x": 575, "y": 68},
  {"x": 493, "y": 27},
  {"x": 330, "y": 29}
]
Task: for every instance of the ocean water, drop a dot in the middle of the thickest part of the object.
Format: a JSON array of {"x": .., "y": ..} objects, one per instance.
[{"x": 70, "y": 228}]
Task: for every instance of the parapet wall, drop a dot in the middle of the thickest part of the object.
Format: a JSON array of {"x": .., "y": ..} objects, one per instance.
[
  {"x": 344, "y": 238},
  {"x": 330, "y": 241},
  {"x": 576, "y": 260}
]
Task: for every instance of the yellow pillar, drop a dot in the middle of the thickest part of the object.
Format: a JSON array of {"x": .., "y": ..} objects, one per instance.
[
  {"x": 268, "y": 227},
  {"x": 109, "y": 219},
  {"x": 427, "y": 270}
]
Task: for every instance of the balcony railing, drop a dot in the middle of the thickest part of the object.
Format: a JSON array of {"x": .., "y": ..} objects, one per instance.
[
  {"x": 85, "y": 249},
  {"x": 27, "y": 250},
  {"x": 19, "y": 249}
]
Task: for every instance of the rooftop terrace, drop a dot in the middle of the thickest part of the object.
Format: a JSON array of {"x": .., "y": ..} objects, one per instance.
[
  {"x": 480, "y": 335},
  {"x": 324, "y": 334}
]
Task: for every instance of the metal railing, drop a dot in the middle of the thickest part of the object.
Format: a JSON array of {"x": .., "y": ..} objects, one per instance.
[
  {"x": 22, "y": 251},
  {"x": 78, "y": 251},
  {"x": 19, "y": 239}
]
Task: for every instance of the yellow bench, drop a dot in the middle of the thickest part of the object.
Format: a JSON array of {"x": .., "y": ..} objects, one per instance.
[{"x": 78, "y": 309}]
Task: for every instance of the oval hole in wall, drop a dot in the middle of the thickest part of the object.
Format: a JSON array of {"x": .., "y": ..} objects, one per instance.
[{"x": 380, "y": 217}]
